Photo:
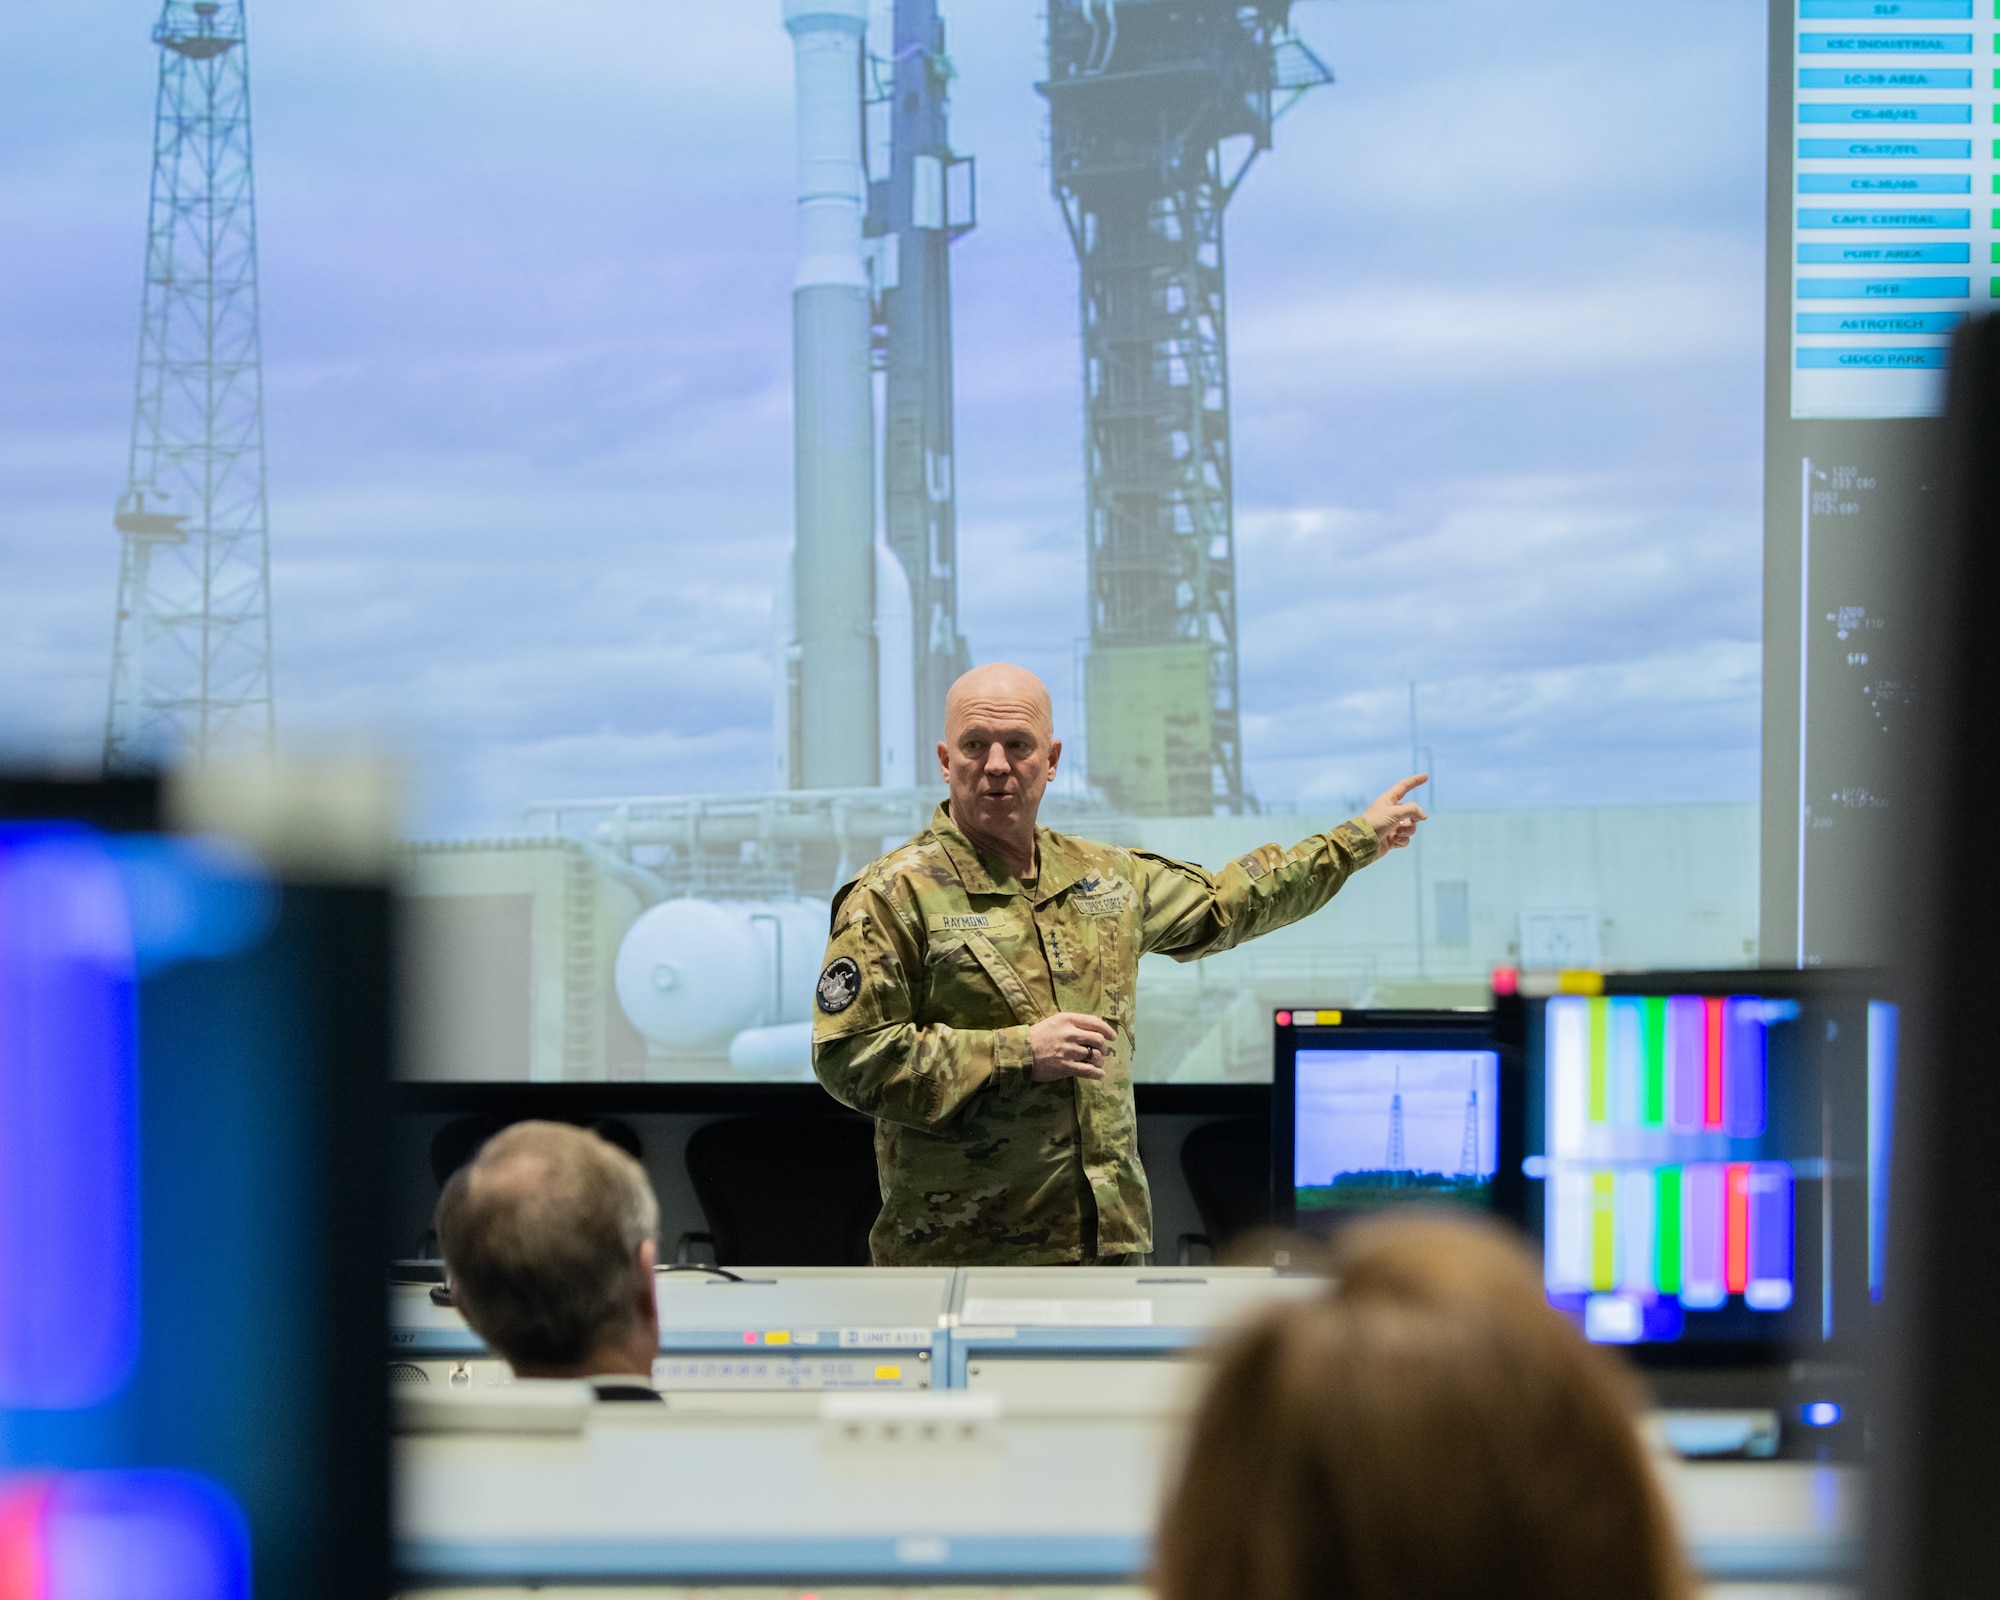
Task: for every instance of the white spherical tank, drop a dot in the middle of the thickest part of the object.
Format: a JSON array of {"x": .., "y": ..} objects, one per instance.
[
  {"x": 692, "y": 974},
  {"x": 794, "y": 934}
]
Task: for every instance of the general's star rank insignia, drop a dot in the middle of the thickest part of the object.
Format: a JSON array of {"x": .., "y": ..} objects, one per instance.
[{"x": 839, "y": 985}]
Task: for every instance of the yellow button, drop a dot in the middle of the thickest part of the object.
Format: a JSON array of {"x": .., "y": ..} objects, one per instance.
[
  {"x": 777, "y": 1338},
  {"x": 888, "y": 1374}
]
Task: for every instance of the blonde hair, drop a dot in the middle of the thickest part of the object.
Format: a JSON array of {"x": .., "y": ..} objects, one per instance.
[{"x": 1429, "y": 1429}]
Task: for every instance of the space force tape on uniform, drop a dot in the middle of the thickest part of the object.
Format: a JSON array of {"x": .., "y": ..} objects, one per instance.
[{"x": 938, "y": 964}]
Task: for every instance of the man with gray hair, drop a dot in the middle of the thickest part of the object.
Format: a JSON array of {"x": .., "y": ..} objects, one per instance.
[{"x": 548, "y": 1237}]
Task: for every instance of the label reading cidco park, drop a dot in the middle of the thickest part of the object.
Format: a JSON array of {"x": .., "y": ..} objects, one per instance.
[{"x": 1896, "y": 130}]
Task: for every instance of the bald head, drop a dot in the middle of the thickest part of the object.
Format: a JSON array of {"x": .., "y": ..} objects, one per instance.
[
  {"x": 999, "y": 691},
  {"x": 998, "y": 754}
]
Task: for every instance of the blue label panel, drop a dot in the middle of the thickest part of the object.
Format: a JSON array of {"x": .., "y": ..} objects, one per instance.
[
  {"x": 1902, "y": 44},
  {"x": 1810, "y": 217},
  {"x": 1885, "y": 77},
  {"x": 1844, "y": 111},
  {"x": 1892, "y": 322},
  {"x": 1885, "y": 149},
  {"x": 1884, "y": 288},
  {"x": 1929, "y": 355},
  {"x": 1915, "y": 10},
  {"x": 1882, "y": 255},
  {"x": 1880, "y": 183}
]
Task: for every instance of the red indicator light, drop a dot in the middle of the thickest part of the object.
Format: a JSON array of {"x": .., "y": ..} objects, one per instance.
[
  {"x": 1506, "y": 980},
  {"x": 749, "y": 1338},
  {"x": 1284, "y": 1019}
]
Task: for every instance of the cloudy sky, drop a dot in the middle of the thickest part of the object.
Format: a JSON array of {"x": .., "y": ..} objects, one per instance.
[
  {"x": 1496, "y": 322},
  {"x": 1344, "y": 1098}
]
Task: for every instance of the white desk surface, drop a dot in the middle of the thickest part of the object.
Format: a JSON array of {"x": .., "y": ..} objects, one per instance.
[
  {"x": 657, "y": 1493},
  {"x": 805, "y": 1297},
  {"x": 1163, "y": 1297},
  {"x": 782, "y": 1299},
  {"x": 767, "y": 1299}
]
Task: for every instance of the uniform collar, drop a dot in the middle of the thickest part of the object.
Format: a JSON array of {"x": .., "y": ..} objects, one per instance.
[{"x": 1059, "y": 866}]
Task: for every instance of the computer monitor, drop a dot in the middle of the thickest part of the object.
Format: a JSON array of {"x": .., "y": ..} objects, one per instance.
[
  {"x": 1707, "y": 1157},
  {"x": 1376, "y": 1109},
  {"x": 192, "y": 1051}
]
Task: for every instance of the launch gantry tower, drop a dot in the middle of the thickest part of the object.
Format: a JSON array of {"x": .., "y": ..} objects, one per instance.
[
  {"x": 191, "y": 650},
  {"x": 1157, "y": 108},
  {"x": 924, "y": 204}
]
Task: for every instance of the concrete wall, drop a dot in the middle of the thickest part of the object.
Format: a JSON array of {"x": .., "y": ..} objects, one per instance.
[{"x": 1612, "y": 886}]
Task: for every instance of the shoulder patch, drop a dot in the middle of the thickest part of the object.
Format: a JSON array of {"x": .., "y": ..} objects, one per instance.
[
  {"x": 1252, "y": 865},
  {"x": 839, "y": 985}
]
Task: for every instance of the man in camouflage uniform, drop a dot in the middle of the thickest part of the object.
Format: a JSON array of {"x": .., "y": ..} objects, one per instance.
[{"x": 979, "y": 991}]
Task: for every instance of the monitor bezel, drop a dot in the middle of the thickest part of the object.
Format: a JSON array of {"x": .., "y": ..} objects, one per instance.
[
  {"x": 1805, "y": 984},
  {"x": 1390, "y": 1029}
]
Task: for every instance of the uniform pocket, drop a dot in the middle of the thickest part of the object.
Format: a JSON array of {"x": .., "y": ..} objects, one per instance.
[{"x": 959, "y": 991}]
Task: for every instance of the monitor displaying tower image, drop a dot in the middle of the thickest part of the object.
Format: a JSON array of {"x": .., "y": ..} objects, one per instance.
[
  {"x": 1375, "y": 1108},
  {"x": 1379, "y": 1127}
]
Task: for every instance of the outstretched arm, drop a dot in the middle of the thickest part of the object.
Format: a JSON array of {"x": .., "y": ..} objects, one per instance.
[{"x": 1189, "y": 913}]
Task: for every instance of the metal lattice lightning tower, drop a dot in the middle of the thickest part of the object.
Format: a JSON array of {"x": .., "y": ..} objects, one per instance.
[
  {"x": 1468, "y": 1145},
  {"x": 1157, "y": 108},
  {"x": 917, "y": 212},
  {"x": 191, "y": 651},
  {"x": 1397, "y": 1161}
]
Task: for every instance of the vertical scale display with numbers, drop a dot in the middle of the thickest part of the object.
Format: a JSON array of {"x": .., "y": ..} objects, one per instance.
[{"x": 1884, "y": 236}]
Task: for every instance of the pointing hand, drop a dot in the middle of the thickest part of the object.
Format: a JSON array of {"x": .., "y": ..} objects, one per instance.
[{"x": 1395, "y": 819}]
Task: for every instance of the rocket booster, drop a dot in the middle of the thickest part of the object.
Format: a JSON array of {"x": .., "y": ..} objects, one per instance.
[{"x": 831, "y": 675}]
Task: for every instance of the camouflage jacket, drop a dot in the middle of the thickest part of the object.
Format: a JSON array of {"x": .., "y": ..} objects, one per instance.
[{"x": 938, "y": 963}]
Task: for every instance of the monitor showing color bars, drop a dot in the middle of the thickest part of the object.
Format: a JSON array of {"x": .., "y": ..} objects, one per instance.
[{"x": 1667, "y": 1194}]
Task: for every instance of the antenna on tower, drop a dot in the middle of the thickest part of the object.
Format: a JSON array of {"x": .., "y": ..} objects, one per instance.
[
  {"x": 191, "y": 645},
  {"x": 1468, "y": 1148},
  {"x": 1397, "y": 1163}
]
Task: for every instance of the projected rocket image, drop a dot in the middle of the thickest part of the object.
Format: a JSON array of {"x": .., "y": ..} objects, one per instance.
[
  {"x": 670, "y": 930},
  {"x": 1662, "y": 1197}
]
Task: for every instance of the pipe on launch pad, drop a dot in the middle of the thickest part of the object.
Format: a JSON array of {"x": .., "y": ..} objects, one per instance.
[{"x": 835, "y": 741}]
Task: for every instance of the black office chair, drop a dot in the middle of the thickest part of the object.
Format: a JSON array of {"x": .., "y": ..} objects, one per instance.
[
  {"x": 1227, "y": 1164},
  {"x": 784, "y": 1191}
]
